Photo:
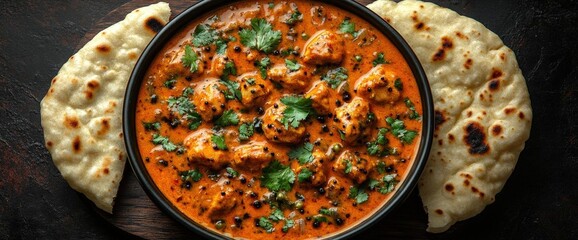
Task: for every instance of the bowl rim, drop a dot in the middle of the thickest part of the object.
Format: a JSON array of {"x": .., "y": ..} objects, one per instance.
[{"x": 202, "y": 7}]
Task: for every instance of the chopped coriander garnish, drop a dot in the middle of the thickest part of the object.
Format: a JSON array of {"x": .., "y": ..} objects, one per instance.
[
  {"x": 331, "y": 212},
  {"x": 204, "y": 35},
  {"x": 379, "y": 59},
  {"x": 219, "y": 141},
  {"x": 335, "y": 77},
  {"x": 292, "y": 65},
  {"x": 233, "y": 91},
  {"x": 246, "y": 130},
  {"x": 251, "y": 81},
  {"x": 261, "y": 36},
  {"x": 188, "y": 91},
  {"x": 347, "y": 26},
  {"x": 358, "y": 194},
  {"x": 381, "y": 168},
  {"x": 302, "y": 153},
  {"x": 298, "y": 109},
  {"x": 190, "y": 59},
  {"x": 230, "y": 69},
  {"x": 372, "y": 184},
  {"x": 398, "y": 84},
  {"x": 221, "y": 46},
  {"x": 389, "y": 182},
  {"x": 378, "y": 147},
  {"x": 170, "y": 83},
  {"x": 232, "y": 172},
  {"x": 262, "y": 65},
  {"x": 289, "y": 223},
  {"x": 413, "y": 113},
  {"x": 184, "y": 107},
  {"x": 341, "y": 134},
  {"x": 399, "y": 131},
  {"x": 305, "y": 175},
  {"x": 277, "y": 215},
  {"x": 358, "y": 58},
  {"x": 164, "y": 142},
  {"x": 191, "y": 175},
  {"x": 266, "y": 224},
  {"x": 277, "y": 176},
  {"x": 228, "y": 118},
  {"x": 348, "y": 166},
  {"x": 295, "y": 17},
  {"x": 151, "y": 126}
]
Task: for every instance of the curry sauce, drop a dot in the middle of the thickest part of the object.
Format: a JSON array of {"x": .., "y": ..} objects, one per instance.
[{"x": 278, "y": 119}]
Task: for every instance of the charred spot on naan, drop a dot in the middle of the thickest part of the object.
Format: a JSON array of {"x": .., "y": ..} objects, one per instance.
[
  {"x": 419, "y": 25},
  {"x": 103, "y": 48},
  {"x": 475, "y": 139},
  {"x": 153, "y": 24},
  {"x": 440, "y": 55},
  {"x": 76, "y": 144},
  {"x": 104, "y": 126},
  {"x": 439, "y": 118},
  {"x": 497, "y": 130},
  {"x": 71, "y": 122}
]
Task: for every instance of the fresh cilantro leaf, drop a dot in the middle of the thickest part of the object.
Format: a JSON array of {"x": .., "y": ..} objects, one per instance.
[
  {"x": 331, "y": 212},
  {"x": 292, "y": 65},
  {"x": 335, "y": 77},
  {"x": 381, "y": 167},
  {"x": 341, "y": 134},
  {"x": 359, "y": 195},
  {"x": 221, "y": 46},
  {"x": 347, "y": 26},
  {"x": 219, "y": 141},
  {"x": 266, "y": 224},
  {"x": 261, "y": 37},
  {"x": 277, "y": 176},
  {"x": 302, "y": 153},
  {"x": 398, "y": 84},
  {"x": 348, "y": 166},
  {"x": 379, "y": 59},
  {"x": 381, "y": 139},
  {"x": 389, "y": 182},
  {"x": 287, "y": 52},
  {"x": 190, "y": 59},
  {"x": 305, "y": 175},
  {"x": 298, "y": 109},
  {"x": 188, "y": 91},
  {"x": 230, "y": 69},
  {"x": 151, "y": 126},
  {"x": 228, "y": 118},
  {"x": 246, "y": 130},
  {"x": 251, "y": 81},
  {"x": 371, "y": 117},
  {"x": 191, "y": 175},
  {"x": 195, "y": 120},
  {"x": 233, "y": 91},
  {"x": 358, "y": 58},
  {"x": 170, "y": 83},
  {"x": 277, "y": 215},
  {"x": 372, "y": 184},
  {"x": 164, "y": 142},
  {"x": 413, "y": 113},
  {"x": 295, "y": 17},
  {"x": 263, "y": 65},
  {"x": 399, "y": 131},
  {"x": 289, "y": 223},
  {"x": 232, "y": 172},
  {"x": 204, "y": 35}
]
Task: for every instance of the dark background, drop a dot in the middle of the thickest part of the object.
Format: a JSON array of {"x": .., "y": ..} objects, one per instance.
[{"x": 539, "y": 201}]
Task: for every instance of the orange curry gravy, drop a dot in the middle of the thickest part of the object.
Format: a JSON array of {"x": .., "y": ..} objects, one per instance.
[{"x": 223, "y": 135}]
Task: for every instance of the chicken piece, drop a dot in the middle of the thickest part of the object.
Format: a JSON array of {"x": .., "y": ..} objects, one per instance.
[
  {"x": 378, "y": 85},
  {"x": 218, "y": 201},
  {"x": 275, "y": 131},
  {"x": 289, "y": 79},
  {"x": 201, "y": 151},
  {"x": 352, "y": 166},
  {"x": 324, "y": 47},
  {"x": 209, "y": 99},
  {"x": 334, "y": 189},
  {"x": 218, "y": 65},
  {"x": 254, "y": 90},
  {"x": 353, "y": 120},
  {"x": 174, "y": 64},
  {"x": 318, "y": 177},
  {"x": 253, "y": 156},
  {"x": 322, "y": 97}
]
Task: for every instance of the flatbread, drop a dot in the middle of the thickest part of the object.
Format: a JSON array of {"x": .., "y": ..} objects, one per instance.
[
  {"x": 483, "y": 112},
  {"x": 81, "y": 113}
]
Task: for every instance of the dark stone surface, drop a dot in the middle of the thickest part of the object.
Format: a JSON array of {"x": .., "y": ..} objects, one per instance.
[{"x": 540, "y": 200}]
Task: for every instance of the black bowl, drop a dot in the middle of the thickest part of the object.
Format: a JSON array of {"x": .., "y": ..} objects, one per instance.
[{"x": 199, "y": 9}]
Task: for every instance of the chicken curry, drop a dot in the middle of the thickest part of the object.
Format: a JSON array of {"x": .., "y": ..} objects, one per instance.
[{"x": 269, "y": 119}]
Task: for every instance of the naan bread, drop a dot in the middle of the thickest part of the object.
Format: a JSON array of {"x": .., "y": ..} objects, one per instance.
[
  {"x": 483, "y": 112},
  {"x": 81, "y": 113}
]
